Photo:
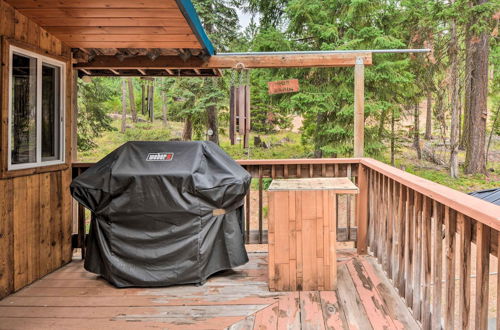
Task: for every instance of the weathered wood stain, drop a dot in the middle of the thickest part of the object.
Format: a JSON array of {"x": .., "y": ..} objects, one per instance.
[{"x": 72, "y": 298}]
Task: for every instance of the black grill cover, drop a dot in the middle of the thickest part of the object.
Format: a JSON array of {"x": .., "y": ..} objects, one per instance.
[{"x": 156, "y": 206}]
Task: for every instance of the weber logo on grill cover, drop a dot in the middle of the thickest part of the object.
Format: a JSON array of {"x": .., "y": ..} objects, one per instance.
[{"x": 160, "y": 156}]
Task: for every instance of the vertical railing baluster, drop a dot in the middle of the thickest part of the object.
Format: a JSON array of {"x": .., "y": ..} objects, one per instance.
[
  {"x": 465, "y": 270},
  {"x": 403, "y": 235},
  {"x": 438, "y": 264},
  {"x": 348, "y": 206},
  {"x": 390, "y": 229},
  {"x": 410, "y": 224},
  {"x": 396, "y": 236},
  {"x": 450, "y": 224},
  {"x": 482, "y": 275},
  {"x": 417, "y": 261},
  {"x": 384, "y": 233},
  {"x": 426, "y": 262},
  {"x": 260, "y": 205},
  {"x": 362, "y": 210}
]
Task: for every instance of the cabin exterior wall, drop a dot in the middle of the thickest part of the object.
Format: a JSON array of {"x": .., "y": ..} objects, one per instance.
[{"x": 35, "y": 203}]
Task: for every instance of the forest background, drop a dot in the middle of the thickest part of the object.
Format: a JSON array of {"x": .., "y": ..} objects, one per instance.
[{"x": 435, "y": 115}]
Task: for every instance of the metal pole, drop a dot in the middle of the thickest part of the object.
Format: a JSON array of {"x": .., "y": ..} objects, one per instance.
[
  {"x": 424, "y": 50},
  {"x": 359, "y": 107}
]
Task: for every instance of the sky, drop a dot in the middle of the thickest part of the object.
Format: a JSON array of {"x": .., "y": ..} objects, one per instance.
[{"x": 244, "y": 18}]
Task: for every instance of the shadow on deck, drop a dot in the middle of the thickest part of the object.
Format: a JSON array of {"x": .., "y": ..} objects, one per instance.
[{"x": 72, "y": 298}]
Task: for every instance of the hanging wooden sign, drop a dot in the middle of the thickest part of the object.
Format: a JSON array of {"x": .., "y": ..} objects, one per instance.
[{"x": 283, "y": 86}]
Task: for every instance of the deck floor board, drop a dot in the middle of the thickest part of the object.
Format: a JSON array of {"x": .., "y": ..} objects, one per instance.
[{"x": 71, "y": 298}]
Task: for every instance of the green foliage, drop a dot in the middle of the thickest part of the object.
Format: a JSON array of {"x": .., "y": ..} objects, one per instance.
[
  {"x": 93, "y": 108},
  {"x": 146, "y": 132},
  {"x": 326, "y": 97}
]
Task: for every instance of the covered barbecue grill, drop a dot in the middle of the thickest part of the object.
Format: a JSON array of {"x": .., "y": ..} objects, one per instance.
[{"x": 165, "y": 213}]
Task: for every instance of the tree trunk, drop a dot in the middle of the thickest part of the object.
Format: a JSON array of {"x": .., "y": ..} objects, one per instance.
[
  {"x": 164, "y": 108},
  {"x": 212, "y": 119},
  {"x": 467, "y": 89},
  {"x": 212, "y": 124},
  {"x": 475, "y": 157},
  {"x": 151, "y": 106},
  {"x": 393, "y": 137},
  {"x": 455, "y": 99},
  {"x": 124, "y": 105},
  {"x": 143, "y": 97},
  {"x": 187, "y": 132},
  {"x": 380, "y": 132},
  {"x": 131, "y": 98},
  {"x": 428, "y": 117},
  {"x": 416, "y": 130}
]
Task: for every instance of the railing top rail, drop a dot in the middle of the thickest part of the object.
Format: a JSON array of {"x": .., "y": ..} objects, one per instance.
[
  {"x": 482, "y": 211},
  {"x": 298, "y": 161}
]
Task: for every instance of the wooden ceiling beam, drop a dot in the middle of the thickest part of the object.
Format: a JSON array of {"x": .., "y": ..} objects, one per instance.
[
  {"x": 228, "y": 62},
  {"x": 122, "y": 37},
  {"x": 102, "y": 13},
  {"x": 133, "y": 44},
  {"x": 151, "y": 31},
  {"x": 93, "y": 3},
  {"x": 113, "y": 21},
  {"x": 289, "y": 60}
]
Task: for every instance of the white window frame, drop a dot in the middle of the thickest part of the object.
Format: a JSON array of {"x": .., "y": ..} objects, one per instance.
[{"x": 41, "y": 59}]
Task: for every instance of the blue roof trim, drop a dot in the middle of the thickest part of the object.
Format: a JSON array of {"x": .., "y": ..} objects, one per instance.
[{"x": 187, "y": 9}]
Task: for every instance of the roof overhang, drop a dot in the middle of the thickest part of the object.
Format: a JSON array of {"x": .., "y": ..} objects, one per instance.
[{"x": 123, "y": 29}]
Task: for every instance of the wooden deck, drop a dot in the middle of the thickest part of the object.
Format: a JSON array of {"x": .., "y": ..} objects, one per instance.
[{"x": 72, "y": 298}]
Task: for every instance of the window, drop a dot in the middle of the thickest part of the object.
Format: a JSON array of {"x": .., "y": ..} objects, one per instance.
[{"x": 36, "y": 110}]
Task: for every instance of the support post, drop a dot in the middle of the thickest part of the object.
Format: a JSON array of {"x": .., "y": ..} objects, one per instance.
[
  {"x": 362, "y": 210},
  {"x": 359, "y": 107}
]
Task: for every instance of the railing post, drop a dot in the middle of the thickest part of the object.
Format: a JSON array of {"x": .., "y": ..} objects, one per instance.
[
  {"x": 362, "y": 210},
  {"x": 359, "y": 107}
]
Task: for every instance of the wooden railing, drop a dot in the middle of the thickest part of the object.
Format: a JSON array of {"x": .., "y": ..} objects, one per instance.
[
  {"x": 414, "y": 228},
  {"x": 255, "y": 219},
  {"x": 422, "y": 233}
]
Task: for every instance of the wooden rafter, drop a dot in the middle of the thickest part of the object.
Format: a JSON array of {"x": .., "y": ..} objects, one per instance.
[
  {"x": 87, "y": 72},
  {"x": 231, "y": 61}
]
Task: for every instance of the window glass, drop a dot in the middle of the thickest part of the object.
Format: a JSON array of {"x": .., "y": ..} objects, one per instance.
[
  {"x": 51, "y": 111},
  {"x": 24, "y": 119}
]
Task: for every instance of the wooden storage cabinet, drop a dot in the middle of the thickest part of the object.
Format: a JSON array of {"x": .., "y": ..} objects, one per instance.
[{"x": 302, "y": 233}]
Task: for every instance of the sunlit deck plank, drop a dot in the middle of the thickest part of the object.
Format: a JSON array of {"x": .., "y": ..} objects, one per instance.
[{"x": 72, "y": 298}]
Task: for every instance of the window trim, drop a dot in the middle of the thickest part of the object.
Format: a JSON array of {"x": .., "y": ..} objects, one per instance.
[{"x": 41, "y": 59}]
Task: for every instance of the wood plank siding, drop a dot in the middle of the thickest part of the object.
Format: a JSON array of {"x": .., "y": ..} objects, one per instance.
[{"x": 35, "y": 204}]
